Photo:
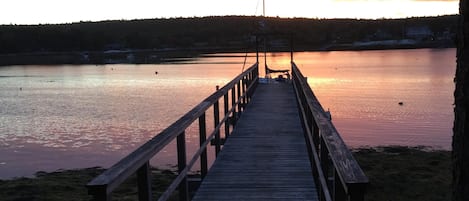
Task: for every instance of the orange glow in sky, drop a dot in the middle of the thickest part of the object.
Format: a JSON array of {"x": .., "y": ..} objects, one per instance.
[{"x": 65, "y": 11}]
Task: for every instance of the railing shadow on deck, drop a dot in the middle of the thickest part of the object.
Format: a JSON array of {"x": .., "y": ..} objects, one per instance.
[
  {"x": 240, "y": 89},
  {"x": 337, "y": 173}
]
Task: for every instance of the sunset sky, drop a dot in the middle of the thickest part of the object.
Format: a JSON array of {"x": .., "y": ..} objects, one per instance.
[{"x": 65, "y": 11}]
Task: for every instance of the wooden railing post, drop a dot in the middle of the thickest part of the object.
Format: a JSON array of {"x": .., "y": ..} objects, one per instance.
[
  {"x": 99, "y": 193},
  {"x": 181, "y": 149},
  {"x": 315, "y": 132},
  {"x": 244, "y": 85},
  {"x": 356, "y": 192},
  {"x": 238, "y": 86},
  {"x": 216, "y": 121},
  {"x": 227, "y": 125},
  {"x": 339, "y": 189},
  {"x": 233, "y": 105},
  {"x": 203, "y": 138},
  {"x": 144, "y": 182},
  {"x": 250, "y": 80},
  {"x": 324, "y": 158}
]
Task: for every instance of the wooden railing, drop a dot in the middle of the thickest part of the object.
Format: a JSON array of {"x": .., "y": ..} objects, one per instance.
[
  {"x": 240, "y": 89},
  {"x": 337, "y": 173}
]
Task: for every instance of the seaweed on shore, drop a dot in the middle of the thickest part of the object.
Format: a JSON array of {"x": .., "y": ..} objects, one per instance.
[
  {"x": 70, "y": 185},
  {"x": 406, "y": 173}
]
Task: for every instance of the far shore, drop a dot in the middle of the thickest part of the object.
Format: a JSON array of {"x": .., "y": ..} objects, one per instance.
[{"x": 168, "y": 55}]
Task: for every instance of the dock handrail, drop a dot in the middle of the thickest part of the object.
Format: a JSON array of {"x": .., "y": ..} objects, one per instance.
[
  {"x": 240, "y": 89},
  {"x": 337, "y": 173}
]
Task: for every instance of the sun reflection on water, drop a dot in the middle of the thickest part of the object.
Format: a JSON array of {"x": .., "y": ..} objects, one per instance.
[{"x": 94, "y": 115}]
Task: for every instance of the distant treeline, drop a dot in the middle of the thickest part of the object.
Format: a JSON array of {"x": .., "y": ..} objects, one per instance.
[{"x": 228, "y": 32}]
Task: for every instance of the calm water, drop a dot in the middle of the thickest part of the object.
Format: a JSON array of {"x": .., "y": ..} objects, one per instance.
[{"x": 55, "y": 117}]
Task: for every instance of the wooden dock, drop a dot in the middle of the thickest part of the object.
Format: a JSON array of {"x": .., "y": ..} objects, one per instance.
[
  {"x": 266, "y": 157},
  {"x": 280, "y": 145}
]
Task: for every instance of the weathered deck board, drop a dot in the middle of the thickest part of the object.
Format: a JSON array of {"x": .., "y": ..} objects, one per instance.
[{"x": 265, "y": 158}]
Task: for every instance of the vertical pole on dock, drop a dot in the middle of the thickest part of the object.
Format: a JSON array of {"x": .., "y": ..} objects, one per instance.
[
  {"x": 291, "y": 48},
  {"x": 263, "y": 8},
  {"x": 203, "y": 138},
  {"x": 248, "y": 83},
  {"x": 99, "y": 193},
  {"x": 246, "y": 93},
  {"x": 243, "y": 91},
  {"x": 227, "y": 125},
  {"x": 315, "y": 132},
  {"x": 239, "y": 95},
  {"x": 257, "y": 50},
  {"x": 144, "y": 182},
  {"x": 339, "y": 191},
  {"x": 265, "y": 56},
  {"x": 356, "y": 192},
  {"x": 324, "y": 159},
  {"x": 181, "y": 149},
  {"x": 233, "y": 105},
  {"x": 216, "y": 121}
]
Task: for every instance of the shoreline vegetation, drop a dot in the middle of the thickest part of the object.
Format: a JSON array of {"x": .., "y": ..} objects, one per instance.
[
  {"x": 395, "y": 173},
  {"x": 69, "y": 185},
  {"x": 167, "y": 40}
]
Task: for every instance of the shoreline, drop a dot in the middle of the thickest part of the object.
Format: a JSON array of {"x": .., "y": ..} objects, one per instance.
[
  {"x": 395, "y": 173},
  {"x": 169, "y": 55}
]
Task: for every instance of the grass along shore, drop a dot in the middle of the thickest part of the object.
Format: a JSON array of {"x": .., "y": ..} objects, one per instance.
[
  {"x": 405, "y": 174},
  {"x": 69, "y": 185},
  {"x": 395, "y": 173}
]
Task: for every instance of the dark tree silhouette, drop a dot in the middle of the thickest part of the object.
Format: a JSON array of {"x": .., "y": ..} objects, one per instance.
[
  {"x": 461, "y": 110},
  {"x": 229, "y": 32}
]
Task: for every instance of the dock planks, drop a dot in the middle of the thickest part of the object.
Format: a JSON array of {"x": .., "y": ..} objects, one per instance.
[{"x": 266, "y": 157}]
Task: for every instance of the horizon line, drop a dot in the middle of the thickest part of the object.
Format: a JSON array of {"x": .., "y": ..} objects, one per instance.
[{"x": 211, "y": 16}]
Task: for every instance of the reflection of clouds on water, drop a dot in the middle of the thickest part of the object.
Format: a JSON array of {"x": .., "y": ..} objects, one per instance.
[
  {"x": 86, "y": 109},
  {"x": 363, "y": 95}
]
